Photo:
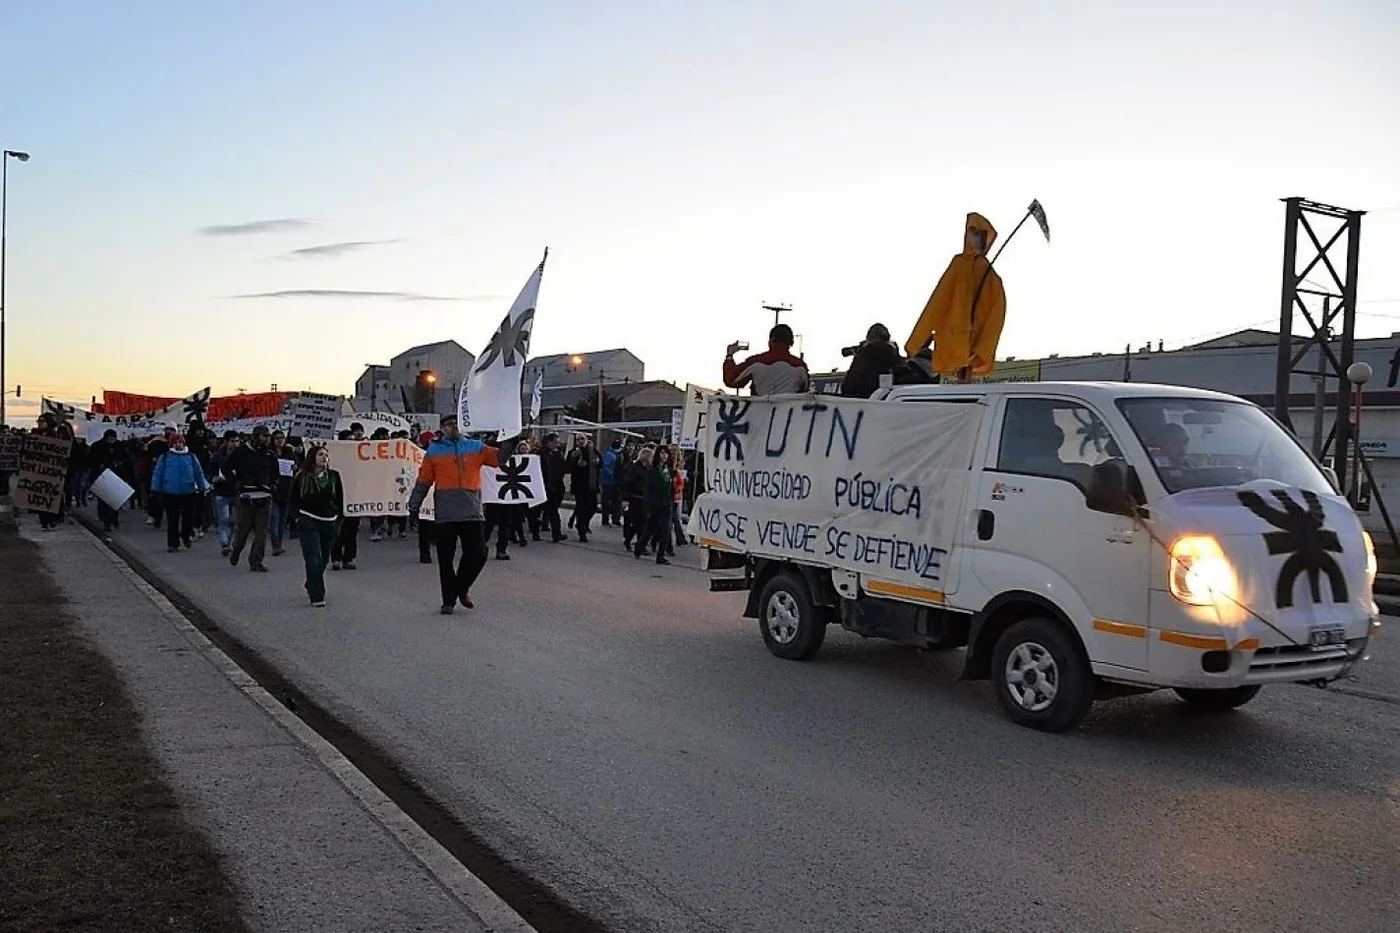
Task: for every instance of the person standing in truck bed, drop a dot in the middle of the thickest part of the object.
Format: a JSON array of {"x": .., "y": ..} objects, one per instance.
[{"x": 776, "y": 372}]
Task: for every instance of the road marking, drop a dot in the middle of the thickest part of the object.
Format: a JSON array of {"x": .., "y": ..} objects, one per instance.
[{"x": 469, "y": 890}]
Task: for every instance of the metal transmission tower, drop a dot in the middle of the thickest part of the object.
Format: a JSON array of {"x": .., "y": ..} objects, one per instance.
[{"x": 1336, "y": 299}]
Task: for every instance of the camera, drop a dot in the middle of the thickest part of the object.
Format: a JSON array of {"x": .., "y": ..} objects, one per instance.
[{"x": 851, "y": 351}]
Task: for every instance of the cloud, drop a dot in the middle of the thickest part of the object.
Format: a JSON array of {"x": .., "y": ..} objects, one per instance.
[
  {"x": 333, "y": 249},
  {"x": 254, "y": 226},
  {"x": 356, "y": 293}
]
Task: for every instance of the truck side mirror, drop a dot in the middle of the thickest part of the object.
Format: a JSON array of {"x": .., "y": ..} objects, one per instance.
[
  {"x": 1109, "y": 489},
  {"x": 1331, "y": 475}
]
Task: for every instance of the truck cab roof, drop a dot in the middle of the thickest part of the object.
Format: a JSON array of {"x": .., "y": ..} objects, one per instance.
[{"x": 1101, "y": 392}]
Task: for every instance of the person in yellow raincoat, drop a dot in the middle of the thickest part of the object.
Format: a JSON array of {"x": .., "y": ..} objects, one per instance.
[{"x": 964, "y": 337}]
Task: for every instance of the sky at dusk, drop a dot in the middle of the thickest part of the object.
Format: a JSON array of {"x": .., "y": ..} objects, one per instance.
[{"x": 379, "y": 175}]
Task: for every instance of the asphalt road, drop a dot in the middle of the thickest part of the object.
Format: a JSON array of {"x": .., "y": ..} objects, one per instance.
[{"x": 623, "y": 733}]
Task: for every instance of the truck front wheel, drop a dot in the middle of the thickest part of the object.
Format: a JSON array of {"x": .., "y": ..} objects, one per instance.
[
  {"x": 792, "y": 627},
  {"x": 1041, "y": 675},
  {"x": 1218, "y": 701}
]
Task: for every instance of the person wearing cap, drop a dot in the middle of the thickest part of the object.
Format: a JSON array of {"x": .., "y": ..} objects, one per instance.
[
  {"x": 254, "y": 468},
  {"x": 177, "y": 479},
  {"x": 452, "y": 470},
  {"x": 776, "y": 372}
]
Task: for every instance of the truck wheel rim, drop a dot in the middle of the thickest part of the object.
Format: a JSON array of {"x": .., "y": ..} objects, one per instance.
[
  {"x": 1032, "y": 677},
  {"x": 783, "y": 617}
]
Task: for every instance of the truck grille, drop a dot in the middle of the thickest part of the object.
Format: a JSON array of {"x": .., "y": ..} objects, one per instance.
[{"x": 1302, "y": 658}]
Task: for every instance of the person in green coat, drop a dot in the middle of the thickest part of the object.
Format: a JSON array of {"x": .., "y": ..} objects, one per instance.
[
  {"x": 657, "y": 504},
  {"x": 316, "y": 507}
]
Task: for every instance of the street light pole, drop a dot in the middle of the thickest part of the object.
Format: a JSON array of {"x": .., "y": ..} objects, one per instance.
[{"x": 4, "y": 211}]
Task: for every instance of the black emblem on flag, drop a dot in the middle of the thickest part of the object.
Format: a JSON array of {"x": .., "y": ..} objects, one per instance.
[
  {"x": 1307, "y": 543},
  {"x": 511, "y": 342},
  {"x": 196, "y": 406},
  {"x": 729, "y": 427},
  {"x": 514, "y": 479}
]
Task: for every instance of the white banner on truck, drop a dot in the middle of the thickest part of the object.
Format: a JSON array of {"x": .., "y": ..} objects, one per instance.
[{"x": 875, "y": 488}]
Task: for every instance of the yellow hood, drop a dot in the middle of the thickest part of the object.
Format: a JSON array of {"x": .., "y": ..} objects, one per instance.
[{"x": 976, "y": 221}]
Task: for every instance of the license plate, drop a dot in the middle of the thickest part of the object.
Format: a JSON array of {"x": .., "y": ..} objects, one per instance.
[{"x": 1327, "y": 636}]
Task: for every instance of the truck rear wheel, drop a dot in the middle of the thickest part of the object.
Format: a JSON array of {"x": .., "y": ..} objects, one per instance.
[
  {"x": 792, "y": 626},
  {"x": 1218, "y": 701},
  {"x": 1041, "y": 675}
]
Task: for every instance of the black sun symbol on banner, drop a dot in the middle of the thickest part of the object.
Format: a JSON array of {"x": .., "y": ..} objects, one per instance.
[
  {"x": 511, "y": 343},
  {"x": 729, "y": 427},
  {"x": 514, "y": 479},
  {"x": 1307, "y": 543}
]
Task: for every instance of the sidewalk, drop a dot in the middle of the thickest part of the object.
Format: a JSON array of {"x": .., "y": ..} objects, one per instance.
[{"x": 308, "y": 843}]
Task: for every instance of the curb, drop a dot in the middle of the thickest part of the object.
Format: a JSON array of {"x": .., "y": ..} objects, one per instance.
[{"x": 495, "y": 915}]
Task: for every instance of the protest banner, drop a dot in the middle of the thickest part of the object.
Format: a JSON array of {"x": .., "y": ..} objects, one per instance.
[
  {"x": 371, "y": 421},
  {"x": 245, "y": 426},
  {"x": 377, "y": 475},
  {"x": 43, "y": 467},
  {"x": 517, "y": 481},
  {"x": 11, "y": 443},
  {"x": 845, "y": 483},
  {"x": 677, "y": 424},
  {"x": 126, "y": 429},
  {"x": 314, "y": 415}
]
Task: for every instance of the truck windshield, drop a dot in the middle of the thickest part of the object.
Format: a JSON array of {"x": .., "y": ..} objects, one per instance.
[{"x": 1194, "y": 443}]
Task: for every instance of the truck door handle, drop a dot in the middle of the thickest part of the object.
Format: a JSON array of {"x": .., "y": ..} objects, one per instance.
[{"x": 986, "y": 524}]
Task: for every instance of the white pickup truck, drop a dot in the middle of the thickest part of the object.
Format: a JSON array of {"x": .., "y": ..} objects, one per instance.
[{"x": 1081, "y": 540}]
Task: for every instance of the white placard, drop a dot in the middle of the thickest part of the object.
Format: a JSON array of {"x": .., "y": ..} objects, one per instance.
[
  {"x": 697, "y": 405},
  {"x": 678, "y": 425},
  {"x": 111, "y": 489},
  {"x": 871, "y": 487},
  {"x": 286, "y": 467},
  {"x": 371, "y": 421},
  {"x": 314, "y": 415}
]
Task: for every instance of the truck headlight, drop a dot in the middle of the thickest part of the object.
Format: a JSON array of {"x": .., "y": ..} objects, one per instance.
[
  {"x": 1199, "y": 573},
  {"x": 1371, "y": 565}
]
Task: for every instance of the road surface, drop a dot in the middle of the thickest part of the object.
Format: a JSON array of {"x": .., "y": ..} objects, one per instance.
[{"x": 622, "y": 732}]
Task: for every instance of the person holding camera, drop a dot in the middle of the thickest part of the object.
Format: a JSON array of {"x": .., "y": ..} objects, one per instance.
[
  {"x": 877, "y": 356},
  {"x": 776, "y": 372}
]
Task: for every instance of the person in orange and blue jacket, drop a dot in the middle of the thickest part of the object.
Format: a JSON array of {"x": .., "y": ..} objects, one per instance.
[{"x": 452, "y": 468}]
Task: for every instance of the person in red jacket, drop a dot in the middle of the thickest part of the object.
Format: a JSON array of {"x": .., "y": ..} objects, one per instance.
[{"x": 776, "y": 372}]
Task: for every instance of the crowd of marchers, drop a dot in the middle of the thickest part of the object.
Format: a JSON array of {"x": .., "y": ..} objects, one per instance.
[{"x": 190, "y": 484}]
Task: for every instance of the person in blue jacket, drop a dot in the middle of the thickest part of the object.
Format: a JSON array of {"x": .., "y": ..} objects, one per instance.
[
  {"x": 179, "y": 479},
  {"x": 611, "y": 480}
]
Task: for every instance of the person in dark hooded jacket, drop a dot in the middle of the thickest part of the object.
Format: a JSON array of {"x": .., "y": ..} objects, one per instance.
[
  {"x": 876, "y": 357},
  {"x": 555, "y": 468}
]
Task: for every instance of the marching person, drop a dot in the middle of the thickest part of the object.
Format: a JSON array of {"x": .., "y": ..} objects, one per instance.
[
  {"x": 316, "y": 507},
  {"x": 111, "y": 454},
  {"x": 179, "y": 481},
  {"x": 452, "y": 470},
  {"x": 634, "y": 494},
  {"x": 611, "y": 479},
  {"x": 225, "y": 491},
  {"x": 347, "y": 543},
  {"x": 585, "y": 469},
  {"x": 254, "y": 470},
  {"x": 553, "y": 465},
  {"x": 658, "y": 508}
]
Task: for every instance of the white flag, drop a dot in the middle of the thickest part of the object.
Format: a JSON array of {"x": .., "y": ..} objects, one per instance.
[
  {"x": 490, "y": 399},
  {"x": 537, "y": 398}
]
